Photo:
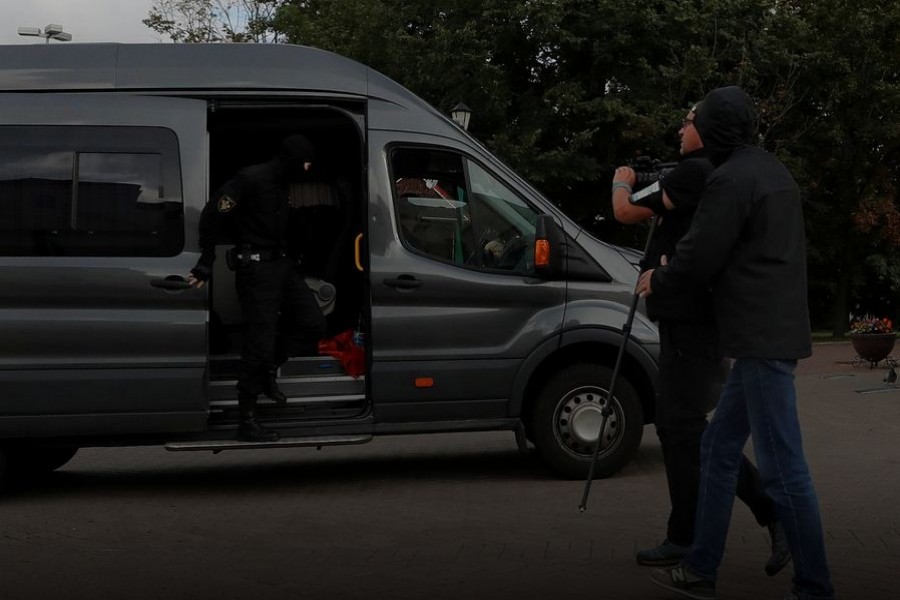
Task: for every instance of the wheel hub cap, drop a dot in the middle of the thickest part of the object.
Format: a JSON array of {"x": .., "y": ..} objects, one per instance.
[{"x": 579, "y": 418}]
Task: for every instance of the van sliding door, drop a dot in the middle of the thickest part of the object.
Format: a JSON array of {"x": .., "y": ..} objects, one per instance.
[{"x": 99, "y": 200}]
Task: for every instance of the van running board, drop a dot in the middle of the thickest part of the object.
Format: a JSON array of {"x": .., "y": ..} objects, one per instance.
[{"x": 318, "y": 442}]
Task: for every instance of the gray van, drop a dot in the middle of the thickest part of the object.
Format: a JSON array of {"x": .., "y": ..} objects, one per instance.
[{"x": 416, "y": 237}]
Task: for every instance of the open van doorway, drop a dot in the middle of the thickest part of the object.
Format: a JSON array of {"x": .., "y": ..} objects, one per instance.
[{"x": 327, "y": 215}]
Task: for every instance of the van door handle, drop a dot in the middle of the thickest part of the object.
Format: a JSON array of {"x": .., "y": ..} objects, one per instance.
[
  {"x": 172, "y": 282},
  {"x": 404, "y": 282}
]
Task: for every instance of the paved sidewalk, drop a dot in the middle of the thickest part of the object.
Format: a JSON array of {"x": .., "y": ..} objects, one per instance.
[
  {"x": 832, "y": 358},
  {"x": 851, "y": 426},
  {"x": 453, "y": 516}
]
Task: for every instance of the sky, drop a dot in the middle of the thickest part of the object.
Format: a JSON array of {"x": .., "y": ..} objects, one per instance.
[{"x": 86, "y": 20}]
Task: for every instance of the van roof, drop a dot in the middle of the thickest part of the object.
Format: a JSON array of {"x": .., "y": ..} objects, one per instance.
[
  {"x": 207, "y": 69},
  {"x": 106, "y": 67}
]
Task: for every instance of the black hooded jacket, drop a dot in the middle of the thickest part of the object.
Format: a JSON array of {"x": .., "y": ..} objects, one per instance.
[{"x": 747, "y": 239}]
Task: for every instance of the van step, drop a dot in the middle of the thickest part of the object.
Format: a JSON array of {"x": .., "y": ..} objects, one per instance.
[
  {"x": 219, "y": 445},
  {"x": 224, "y": 411},
  {"x": 225, "y": 366},
  {"x": 302, "y": 403},
  {"x": 295, "y": 388}
]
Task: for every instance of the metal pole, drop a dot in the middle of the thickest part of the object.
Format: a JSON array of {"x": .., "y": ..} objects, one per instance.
[{"x": 610, "y": 393}]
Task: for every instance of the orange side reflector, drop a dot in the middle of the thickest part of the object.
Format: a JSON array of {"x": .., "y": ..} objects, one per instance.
[
  {"x": 424, "y": 382},
  {"x": 357, "y": 253},
  {"x": 542, "y": 253}
]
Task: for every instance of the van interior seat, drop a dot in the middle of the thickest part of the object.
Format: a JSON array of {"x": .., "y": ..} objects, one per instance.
[
  {"x": 430, "y": 228},
  {"x": 313, "y": 193}
]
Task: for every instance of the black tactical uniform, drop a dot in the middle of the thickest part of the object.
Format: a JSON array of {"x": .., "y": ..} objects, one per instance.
[{"x": 252, "y": 210}]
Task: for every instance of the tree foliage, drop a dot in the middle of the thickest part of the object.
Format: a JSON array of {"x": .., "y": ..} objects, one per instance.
[
  {"x": 564, "y": 90},
  {"x": 841, "y": 137},
  {"x": 213, "y": 20}
]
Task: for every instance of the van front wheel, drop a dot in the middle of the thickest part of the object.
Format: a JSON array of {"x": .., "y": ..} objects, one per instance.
[{"x": 566, "y": 420}]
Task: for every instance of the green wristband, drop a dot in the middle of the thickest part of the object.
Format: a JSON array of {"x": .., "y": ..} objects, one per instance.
[{"x": 621, "y": 184}]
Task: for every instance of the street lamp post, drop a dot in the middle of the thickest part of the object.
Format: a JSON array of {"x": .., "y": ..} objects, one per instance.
[
  {"x": 461, "y": 114},
  {"x": 51, "y": 31}
]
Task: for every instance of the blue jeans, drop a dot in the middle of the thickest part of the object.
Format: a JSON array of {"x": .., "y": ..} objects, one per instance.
[{"x": 759, "y": 400}]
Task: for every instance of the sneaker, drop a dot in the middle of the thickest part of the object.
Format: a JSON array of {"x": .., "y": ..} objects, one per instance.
[
  {"x": 666, "y": 554},
  {"x": 251, "y": 430},
  {"x": 781, "y": 552},
  {"x": 684, "y": 583}
]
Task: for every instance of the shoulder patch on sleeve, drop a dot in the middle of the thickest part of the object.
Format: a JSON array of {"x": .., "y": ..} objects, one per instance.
[{"x": 226, "y": 203}]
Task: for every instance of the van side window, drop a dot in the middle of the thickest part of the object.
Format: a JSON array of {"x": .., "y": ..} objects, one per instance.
[
  {"x": 432, "y": 207},
  {"x": 451, "y": 209},
  {"x": 89, "y": 191}
]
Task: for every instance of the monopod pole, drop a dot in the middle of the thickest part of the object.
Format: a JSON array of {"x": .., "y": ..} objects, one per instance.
[{"x": 607, "y": 406}]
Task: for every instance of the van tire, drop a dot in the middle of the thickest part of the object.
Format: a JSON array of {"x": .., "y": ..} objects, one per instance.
[
  {"x": 25, "y": 461},
  {"x": 580, "y": 391}
]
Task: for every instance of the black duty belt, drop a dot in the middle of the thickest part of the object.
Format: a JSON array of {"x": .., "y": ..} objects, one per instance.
[
  {"x": 261, "y": 255},
  {"x": 246, "y": 255}
]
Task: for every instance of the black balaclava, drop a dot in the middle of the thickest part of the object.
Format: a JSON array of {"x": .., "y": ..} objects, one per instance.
[
  {"x": 725, "y": 120},
  {"x": 296, "y": 150}
]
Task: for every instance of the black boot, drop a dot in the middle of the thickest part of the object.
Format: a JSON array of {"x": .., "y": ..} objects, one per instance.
[
  {"x": 251, "y": 430},
  {"x": 781, "y": 553},
  {"x": 271, "y": 389}
]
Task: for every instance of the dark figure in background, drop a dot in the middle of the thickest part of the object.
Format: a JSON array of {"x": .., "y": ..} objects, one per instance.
[
  {"x": 253, "y": 210},
  {"x": 692, "y": 370},
  {"x": 747, "y": 242}
]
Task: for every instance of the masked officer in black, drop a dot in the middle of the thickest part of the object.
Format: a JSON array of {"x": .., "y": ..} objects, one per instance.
[{"x": 253, "y": 210}]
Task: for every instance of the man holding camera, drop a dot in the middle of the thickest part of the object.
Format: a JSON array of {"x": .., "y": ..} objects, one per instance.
[
  {"x": 692, "y": 370},
  {"x": 747, "y": 241}
]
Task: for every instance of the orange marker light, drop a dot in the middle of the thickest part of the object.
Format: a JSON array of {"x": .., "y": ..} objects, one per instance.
[
  {"x": 424, "y": 382},
  {"x": 542, "y": 253},
  {"x": 357, "y": 252}
]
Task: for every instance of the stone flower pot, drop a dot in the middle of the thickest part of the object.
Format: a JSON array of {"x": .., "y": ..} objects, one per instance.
[{"x": 873, "y": 347}]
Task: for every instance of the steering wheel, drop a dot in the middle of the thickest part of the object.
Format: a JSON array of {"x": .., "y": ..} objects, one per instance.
[{"x": 515, "y": 254}]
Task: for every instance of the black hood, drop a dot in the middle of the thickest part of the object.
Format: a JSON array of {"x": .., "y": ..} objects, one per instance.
[
  {"x": 296, "y": 150},
  {"x": 725, "y": 120}
]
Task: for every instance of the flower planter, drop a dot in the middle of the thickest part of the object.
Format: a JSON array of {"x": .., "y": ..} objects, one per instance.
[{"x": 873, "y": 347}]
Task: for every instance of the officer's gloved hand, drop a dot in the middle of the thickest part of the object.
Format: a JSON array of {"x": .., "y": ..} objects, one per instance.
[{"x": 200, "y": 275}]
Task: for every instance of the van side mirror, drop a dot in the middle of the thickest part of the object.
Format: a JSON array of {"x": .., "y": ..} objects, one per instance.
[{"x": 548, "y": 247}]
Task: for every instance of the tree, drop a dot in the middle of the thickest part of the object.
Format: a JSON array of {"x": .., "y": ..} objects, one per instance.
[
  {"x": 840, "y": 133},
  {"x": 564, "y": 90},
  {"x": 213, "y": 20}
]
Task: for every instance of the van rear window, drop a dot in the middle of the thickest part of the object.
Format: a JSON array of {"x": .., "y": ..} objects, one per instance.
[{"x": 90, "y": 191}]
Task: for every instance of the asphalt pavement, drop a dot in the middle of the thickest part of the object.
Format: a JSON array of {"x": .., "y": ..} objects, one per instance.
[{"x": 443, "y": 516}]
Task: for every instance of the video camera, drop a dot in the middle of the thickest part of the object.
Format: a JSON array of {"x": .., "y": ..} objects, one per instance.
[{"x": 647, "y": 171}]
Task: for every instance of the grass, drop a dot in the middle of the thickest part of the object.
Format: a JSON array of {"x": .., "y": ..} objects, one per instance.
[{"x": 827, "y": 336}]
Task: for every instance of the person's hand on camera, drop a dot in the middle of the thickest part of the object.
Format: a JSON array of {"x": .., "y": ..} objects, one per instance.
[{"x": 624, "y": 175}]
